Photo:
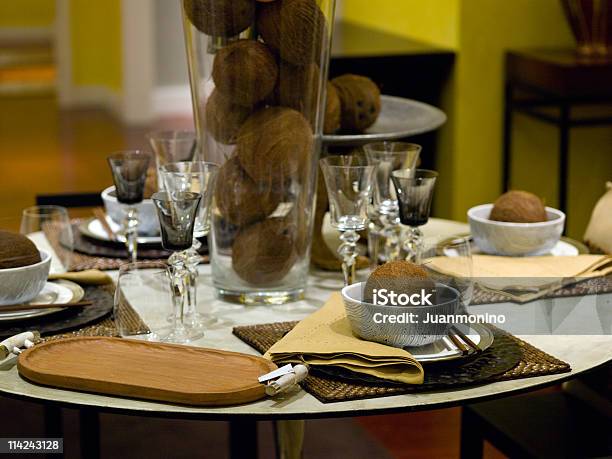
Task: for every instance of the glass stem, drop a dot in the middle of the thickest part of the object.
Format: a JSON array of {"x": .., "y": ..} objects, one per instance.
[
  {"x": 373, "y": 243},
  {"x": 130, "y": 225},
  {"x": 192, "y": 259},
  {"x": 348, "y": 252},
  {"x": 413, "y": 245},
  {"x": 179, "y": 284},
  {"x": 391, "y": 235}
]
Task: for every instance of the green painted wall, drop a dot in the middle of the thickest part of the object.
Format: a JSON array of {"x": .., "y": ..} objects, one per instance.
[
  {"x": 96, "y": 43},
  {"x": 27, "y": 13}
]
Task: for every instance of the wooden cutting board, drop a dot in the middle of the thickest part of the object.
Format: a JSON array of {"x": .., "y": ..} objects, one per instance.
[{"x": 152, "y": 371}]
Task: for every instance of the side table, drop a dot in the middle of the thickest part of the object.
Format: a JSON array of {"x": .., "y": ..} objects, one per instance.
[{"x": 539, "y": 80}]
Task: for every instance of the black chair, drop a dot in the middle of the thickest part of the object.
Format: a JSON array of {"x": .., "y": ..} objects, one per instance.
[
  {"x": 555, "y": 425},
  {"x": 70, "y": 200}
]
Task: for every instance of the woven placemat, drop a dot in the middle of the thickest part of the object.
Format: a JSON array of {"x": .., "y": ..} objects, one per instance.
[
  {"x": 528, "y": 362},
  {"x": 82, "y": 261}
]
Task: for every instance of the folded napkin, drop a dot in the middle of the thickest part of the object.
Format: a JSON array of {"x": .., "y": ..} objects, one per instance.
[
  {"x": 535, "y": 276},
  {"x": 87, "y": 277},
  {"x": 325, "y": 338}
]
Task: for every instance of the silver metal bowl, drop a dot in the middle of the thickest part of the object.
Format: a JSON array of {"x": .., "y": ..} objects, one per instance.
[{"x": 416, "y": 330}]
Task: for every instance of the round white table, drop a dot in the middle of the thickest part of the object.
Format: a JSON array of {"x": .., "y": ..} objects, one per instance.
[{"x": 583, "y": 353}]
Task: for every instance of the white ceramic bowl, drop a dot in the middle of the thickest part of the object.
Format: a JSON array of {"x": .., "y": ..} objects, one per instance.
[
  {"x": 20, "y": 285},
  {"x": 364, "y": 316},
  {"x": 515, "y": 239},
  {"x": 149, "y": 224}
]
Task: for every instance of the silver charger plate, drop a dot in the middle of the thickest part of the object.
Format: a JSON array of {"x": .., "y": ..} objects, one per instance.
[
  {"x": 60, "y": 292},
  {"x": 398, "y": 118},
  {"x": 93, "y": 229},
  {"x": 444, "y": 350}
]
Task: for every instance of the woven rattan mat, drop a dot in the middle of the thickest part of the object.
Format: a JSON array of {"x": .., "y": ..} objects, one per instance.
[
  {"x": 530, "y": 362},
  {"x": 82, "y": 261}
]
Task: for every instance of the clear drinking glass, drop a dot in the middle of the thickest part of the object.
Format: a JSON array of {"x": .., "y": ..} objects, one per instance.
[
  {"x": 53, "y": 223},
  {"x": 129, "y": 171},
  {"x": 349, "y": 180},
  {"x": 258, "y": 83},
  {"x": 414, "y": 190},
  {"x": 143, "y": 298},
  {"x": 384, "y": 228},
  {"x": 171, "y": 146},
  {"x": 177, "y": 215},
  {"x": 197, "y": 177}
]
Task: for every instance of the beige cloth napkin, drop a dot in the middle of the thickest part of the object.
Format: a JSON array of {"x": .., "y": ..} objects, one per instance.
[
  {"x": 325, "y": 338},
  {"x": 87, "y": 277},
  {"x": 536, "y": 276}
]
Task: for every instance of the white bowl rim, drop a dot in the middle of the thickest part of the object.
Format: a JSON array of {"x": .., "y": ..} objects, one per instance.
[
  {"x": 559, "y": 218},
  {"x": 402, "y": 308},
  {"x": 45, "y": 257},
  {"x": 106, "y": 195}
]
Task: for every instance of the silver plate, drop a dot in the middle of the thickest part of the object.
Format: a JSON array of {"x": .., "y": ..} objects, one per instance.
[
  {"x": 93, "y": 229},
  {"x": 444, "y": 350},
  {"x": 62, "y": 291},
  {"x": 399, "y": 117}
]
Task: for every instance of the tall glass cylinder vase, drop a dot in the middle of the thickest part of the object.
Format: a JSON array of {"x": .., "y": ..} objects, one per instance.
[{"x": 258, "y": 73}]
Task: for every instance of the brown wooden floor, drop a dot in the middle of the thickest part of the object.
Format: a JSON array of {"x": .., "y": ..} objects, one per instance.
[{"x": 44, "y": 150}]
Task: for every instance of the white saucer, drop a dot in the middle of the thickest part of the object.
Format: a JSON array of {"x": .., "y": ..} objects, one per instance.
[
  {"x": 561, "y": 249},
  {"x": 57, "y": 292},
  {"x": 444, "y": 350},
  {"x": 93, "y": 228}
]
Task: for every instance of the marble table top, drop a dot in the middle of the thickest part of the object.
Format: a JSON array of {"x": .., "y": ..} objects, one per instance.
[{"x": 582, "y": 352}]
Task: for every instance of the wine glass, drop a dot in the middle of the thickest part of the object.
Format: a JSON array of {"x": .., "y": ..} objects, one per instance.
[
  {"x": 129, "y": 171},
  {"x": 384, "y": 221},
  {"x": 196, "y": 177},
  {"x": 53, "y": 223},
  {"x": 171, "y": 146},
  {"x": 414, "y": 190},
  {"x": 143, "y": 297},
  {"x": 349, "y": 182},
  {"x": 177, "y": 214}
]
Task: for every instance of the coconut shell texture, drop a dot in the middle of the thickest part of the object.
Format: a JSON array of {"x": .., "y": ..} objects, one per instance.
[
  {"x": 224, "y": 118},
  {"x": 245, "y": 72},
  {"x": 333, "y": 111},
  {"x": 518, "y": 207},
  {"x": 360, "y": 101},
  {"x": 297, "y": 88},
  {"x": 400, "y": 277},
  {"x": 223, "y": 18},
  {"x": 17, "y": 250},
  {"x": 295, "y": 29},
  {"x": 240, "y": 200},
  {"x": 275, "y": 145},
  {"x": 263, "y": 253}
]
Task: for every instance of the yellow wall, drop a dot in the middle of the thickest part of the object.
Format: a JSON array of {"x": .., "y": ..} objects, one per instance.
[
  {"x": 27, "y": 13},
  {"x": 469, "y": 157},
  {"x": 96, "y": 43},
  {"x": 430, "y": 21}
]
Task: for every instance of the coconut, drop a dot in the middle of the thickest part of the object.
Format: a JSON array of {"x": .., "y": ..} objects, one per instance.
[
  {"x": 297, "y": 88},
  {"x": 245, "y": 72},
  {"x": 294, "y": 29},
  {"x": 333, "y": 112},
  {"x": 263, "y": 253},
  {"x": 240, "y": 200},
  {"x": 400, "y": 277},
  {"x": 17, "y": 250},
  {"x": 360, "y": 101},
  {"x": 224, "y": 18},
  {"x": 224, "y": 118},
  {"x": 518, "y": 207},
  {"x": 274, "y": 145}
]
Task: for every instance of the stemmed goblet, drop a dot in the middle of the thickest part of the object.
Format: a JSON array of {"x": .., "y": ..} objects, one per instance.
[
  {"x": 414, "y": 190},
  {"x": 177, "y": 215},
  {"x": 129, "y": 171},
  {"x": 196, "y": 177},
  {"x": 349, "y": 182},
  {"x": 384, "y": 229},
  {"x": 170, "y": 147}
]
